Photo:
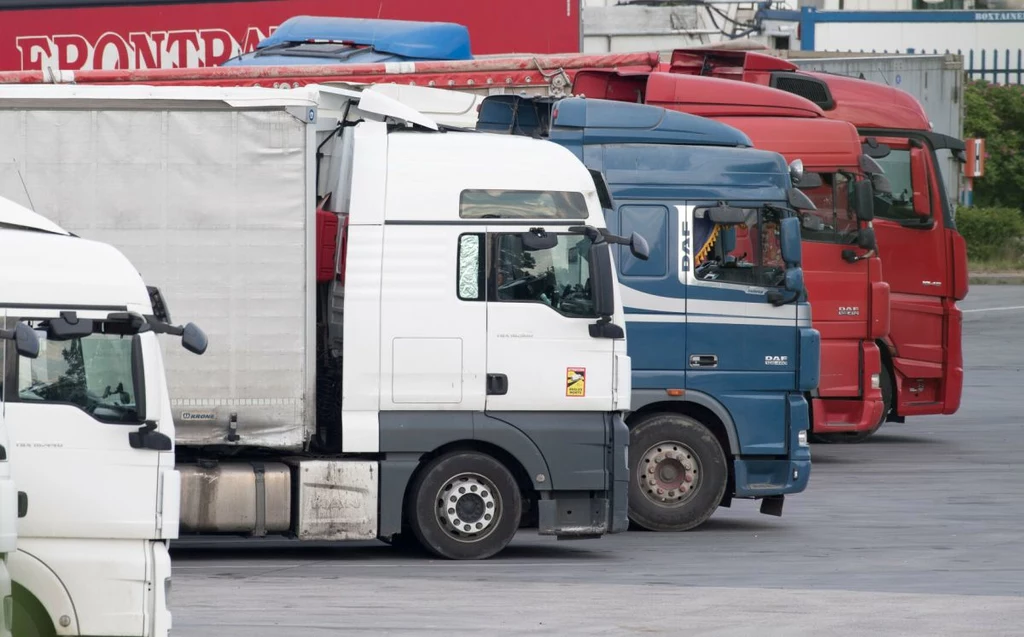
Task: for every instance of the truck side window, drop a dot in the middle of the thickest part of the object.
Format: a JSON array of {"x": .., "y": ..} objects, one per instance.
[
  {"x": 93, "y": 373},
  {"x": 898, "y": 206},
  {"x": 835, "y": 220},
  {"x": 522, "y": 204},
  {"x": 470, "y": 279},
  {"x": 744, "y": 254},
  {"x": 558, "y": 277}
]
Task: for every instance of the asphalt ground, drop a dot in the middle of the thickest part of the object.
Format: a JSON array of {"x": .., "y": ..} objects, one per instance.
[{"x": 918, "y": 531}]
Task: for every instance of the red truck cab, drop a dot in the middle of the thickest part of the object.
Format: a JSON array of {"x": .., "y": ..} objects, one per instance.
[
  {"x": 925, "y": 257},
  {"x": 849, "y": 300}
]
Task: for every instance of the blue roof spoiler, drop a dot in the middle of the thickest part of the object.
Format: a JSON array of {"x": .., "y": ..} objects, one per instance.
[
  {"x": 609, "y": 121},
  {"x": 421, "y": 40}
]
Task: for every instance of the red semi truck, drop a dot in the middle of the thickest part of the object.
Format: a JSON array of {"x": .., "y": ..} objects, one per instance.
[
  {"x": 842, "y": 271},
  {"x": 924, "y": 257}
]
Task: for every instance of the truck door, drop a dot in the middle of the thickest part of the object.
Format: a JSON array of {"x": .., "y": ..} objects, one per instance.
[
  {"x": 70, "y": 413},
  {"x": 912, "y": 244},
  {"x": 740, "y": 349},
  {"x": 540, "y": 355},
  {"x": 838, "y": 290}
]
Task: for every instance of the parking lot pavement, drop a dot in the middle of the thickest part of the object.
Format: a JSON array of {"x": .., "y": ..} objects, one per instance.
[{"x": 920, "y": 530}]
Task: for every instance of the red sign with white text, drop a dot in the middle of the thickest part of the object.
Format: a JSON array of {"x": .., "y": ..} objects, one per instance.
[{"x": 136, "y": 35}]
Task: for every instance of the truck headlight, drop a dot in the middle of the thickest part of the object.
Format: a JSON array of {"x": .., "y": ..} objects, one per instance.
[
  {"x": 876, "y": 381},
  {"x": 801, "y": 437}
]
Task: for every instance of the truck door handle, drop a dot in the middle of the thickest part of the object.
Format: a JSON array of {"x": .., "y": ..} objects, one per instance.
[
  {"x": 497, "y": 384},
  {"x": 3, "y": 453},
  {"x": 22, "y": 504},
  {"x": 703, "y": 360},
  {"x": 147, "y": 437}
]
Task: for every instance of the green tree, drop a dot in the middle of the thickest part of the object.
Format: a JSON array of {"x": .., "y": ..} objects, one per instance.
[{"x": 996, "y": 112}]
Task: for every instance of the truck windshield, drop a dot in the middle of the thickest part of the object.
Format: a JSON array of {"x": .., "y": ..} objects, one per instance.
[
  {"x": 746, "y": 254},
  {"x": 835, "y": 220},
  {"x": 93, "y": 373},
  {"x": 558, "y": 277}
]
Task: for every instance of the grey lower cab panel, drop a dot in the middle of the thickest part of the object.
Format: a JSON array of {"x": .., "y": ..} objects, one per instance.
[{"x": 559, "y": 450}]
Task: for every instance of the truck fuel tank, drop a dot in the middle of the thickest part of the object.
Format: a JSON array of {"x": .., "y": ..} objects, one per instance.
[{"x": 238, "y": 497}]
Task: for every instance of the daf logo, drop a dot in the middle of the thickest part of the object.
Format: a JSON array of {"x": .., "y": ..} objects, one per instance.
[
  {"x": 849, "y": 310},
  {"x": 776, "y": 360}
]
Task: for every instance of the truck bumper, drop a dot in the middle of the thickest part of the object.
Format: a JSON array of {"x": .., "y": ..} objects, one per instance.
[
  {"x": 837, "y": 416},
  {"x": 765, "y": 477},
  {"x": 757, "y": 478},
  {"x": 588, "y": 514}
]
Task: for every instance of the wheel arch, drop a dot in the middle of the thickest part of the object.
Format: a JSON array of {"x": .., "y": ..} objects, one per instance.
[
  {"x": 508, "y": 445},
  {"x": 697, "y": 405},
  {"x": 32, "y": 577}
]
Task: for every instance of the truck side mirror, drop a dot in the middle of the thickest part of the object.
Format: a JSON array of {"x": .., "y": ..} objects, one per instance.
[
  {"x": 874, "y": 149},
  {"x": 919, "y": 183},
  {"x": 810, "y": 180},
  {"x": 798, "y": 200},
  {"x": 866, "y": 239},
  {"x": 789, "y": 239},
  {"x": 193, "y": 338},
  {"x": 148, "y": 375},
  {"x": 26, "y": 341},
  {"x": 794, "y": 280},
  {"x": 796, "y": 171},
  {"x": 638, "y": 247},
  {"x": 864, "y": 200},
  {"x": 602, "y": 280},
  {"x": 726, "y": 215},
  {"x": 881, "y": 183}
]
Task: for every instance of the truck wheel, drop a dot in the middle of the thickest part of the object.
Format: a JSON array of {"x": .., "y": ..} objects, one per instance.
[
  {"x": 464, "y": 506},
  {"x": 679, "y": 473}
]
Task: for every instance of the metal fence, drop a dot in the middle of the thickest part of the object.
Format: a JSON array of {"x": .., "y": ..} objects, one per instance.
[{"x": 998, "y": 67}]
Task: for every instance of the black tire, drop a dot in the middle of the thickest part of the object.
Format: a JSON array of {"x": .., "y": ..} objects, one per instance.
[
  {"x": 30, "y": 618},
  {"x": 485, "y": 480},
  {"x": 690, "y": 449}
]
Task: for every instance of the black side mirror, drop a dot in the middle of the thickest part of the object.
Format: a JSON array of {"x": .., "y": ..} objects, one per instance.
[
  {"x": 874, "y": 149},
  {"x": 25, "y": 340},
  {"x": 604, "y": 285},
  {"x": 726, "y": 215},
  {"x": 864, "y": 200},
  {"x": 810, "y": 180},
  {"x": 799, "y": 201},
  {"x": 538, "y": 239},
  {"x": 638, "y": 247},
  {"x": 69, "y": 326},
  {"x": 881, "y": 183},
  {"x": 193, "y": 338},
  {"x": 866, "y": 239}
]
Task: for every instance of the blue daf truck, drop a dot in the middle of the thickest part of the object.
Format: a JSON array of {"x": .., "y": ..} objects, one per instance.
[{"x": 719, "y": 325}]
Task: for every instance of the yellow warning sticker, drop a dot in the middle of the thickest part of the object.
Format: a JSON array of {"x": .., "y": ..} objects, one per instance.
[{"x": 576, "y": 381}]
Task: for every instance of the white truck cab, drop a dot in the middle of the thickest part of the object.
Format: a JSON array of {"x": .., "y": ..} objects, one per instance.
[{"x": 91, "y": 440}]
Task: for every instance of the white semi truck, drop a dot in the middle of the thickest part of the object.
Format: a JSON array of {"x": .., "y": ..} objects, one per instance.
[
  {"x": 89, "y": 434},
  {"x": 13, "y": 504},
  {"x": 418, "y": 331}
]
